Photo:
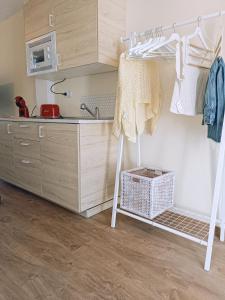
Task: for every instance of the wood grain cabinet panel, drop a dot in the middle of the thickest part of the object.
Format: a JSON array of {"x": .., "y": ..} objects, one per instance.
[
  {"x": 88, "y": 31},
  {"x": 97, "y": 164},
  {"x": 26, "y": 130},
  {"x": 26, "y": 147},
  {"x": 59, "y": 158},
  {"x": 111, "y": 26},
  {"x": 6, "y": 150},
  {"x": 76, "y": 28},
  {"x": 38, "y": 18}
]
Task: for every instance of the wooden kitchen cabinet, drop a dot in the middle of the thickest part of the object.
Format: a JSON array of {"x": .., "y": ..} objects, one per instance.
[
  {"x": 76, "y": 24},
  {"x": 72, "y": 165},
  {"x": 38, "y": 18},
  {"x": 59, "y": 158},
  {"x": 87, "y": 33},
  {"x": 111, "y": 27},
  {"x": 98, "y": 150}
]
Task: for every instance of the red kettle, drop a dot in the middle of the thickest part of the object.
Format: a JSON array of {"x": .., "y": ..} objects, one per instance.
[{"x": 23, "y": 109}]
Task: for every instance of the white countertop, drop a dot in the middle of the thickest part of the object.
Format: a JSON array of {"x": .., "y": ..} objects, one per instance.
[{"x": 71, "y": 120}]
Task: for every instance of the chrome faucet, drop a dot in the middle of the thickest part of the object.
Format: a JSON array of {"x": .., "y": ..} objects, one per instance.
[{"x": 95, "y": 115}]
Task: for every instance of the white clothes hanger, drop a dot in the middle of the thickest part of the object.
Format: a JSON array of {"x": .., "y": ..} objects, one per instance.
[
  {"x": 155, "y": 40},
  {"x": 160, "y": 46},
  {"x": 140, "y": 44},
  {"x": 195, "y": 55}
]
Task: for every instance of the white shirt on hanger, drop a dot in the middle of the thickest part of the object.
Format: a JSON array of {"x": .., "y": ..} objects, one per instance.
[{"x": 189, "y": 90}]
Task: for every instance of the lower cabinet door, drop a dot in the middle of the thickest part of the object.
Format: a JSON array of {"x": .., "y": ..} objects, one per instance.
[
  {"x": 59, "y": 158},
  {"x": 98, "y": 152}
]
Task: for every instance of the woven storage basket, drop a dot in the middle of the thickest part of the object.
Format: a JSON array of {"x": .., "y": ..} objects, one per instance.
[{"x": 147, "y": 192}]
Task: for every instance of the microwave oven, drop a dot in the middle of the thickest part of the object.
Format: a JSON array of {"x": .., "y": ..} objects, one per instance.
[{"x": 41, "y": 55}]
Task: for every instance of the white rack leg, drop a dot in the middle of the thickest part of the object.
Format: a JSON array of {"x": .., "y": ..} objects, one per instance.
[
  {"x": 222, "y": 233},
  {"x": 222, "y": 216},
  {"x": 138, "y": 151},
  {"x": 216, "y": 199},
  {"x": 117, "y": 181}
]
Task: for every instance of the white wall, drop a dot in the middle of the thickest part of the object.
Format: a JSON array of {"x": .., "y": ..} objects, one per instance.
[
  {"x": 12, "y": 58},
  {"x": 95, "y": 85},
  {"x": 180, "y": 142}
]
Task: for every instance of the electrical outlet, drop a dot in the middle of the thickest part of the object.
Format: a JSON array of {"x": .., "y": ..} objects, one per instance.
[{"x": 69, "y": 94}]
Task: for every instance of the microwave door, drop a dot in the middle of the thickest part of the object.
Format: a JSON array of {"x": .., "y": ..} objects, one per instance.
[
  {"x": 38, "y": 57},
  {"x": 41, "y": 55}
]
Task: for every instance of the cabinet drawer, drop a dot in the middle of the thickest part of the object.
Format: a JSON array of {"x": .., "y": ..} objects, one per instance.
[
  {"x": 27, "y": 130},
  {"x": 27, "y": 148},
  {"x": 28, "y": 173},
  {"x": 6, "y": 147},
  {"x": 29, "y": 164}
]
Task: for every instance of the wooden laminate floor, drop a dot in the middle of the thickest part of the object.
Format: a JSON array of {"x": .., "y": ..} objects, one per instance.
[{"x": 47, "y": 252}]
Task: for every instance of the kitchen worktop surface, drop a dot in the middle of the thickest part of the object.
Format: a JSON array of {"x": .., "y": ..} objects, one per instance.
[{"x": 69, "y": 120}]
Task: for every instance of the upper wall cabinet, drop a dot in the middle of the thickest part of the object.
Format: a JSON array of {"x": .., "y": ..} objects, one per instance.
[
  {"x": 87, "y": 33},
  {"x": 76, "y": 24},
  {"x": 38, "y": 18}
]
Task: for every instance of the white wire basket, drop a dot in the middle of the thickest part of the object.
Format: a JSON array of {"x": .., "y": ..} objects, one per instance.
[{"x": 147, "y": 192}]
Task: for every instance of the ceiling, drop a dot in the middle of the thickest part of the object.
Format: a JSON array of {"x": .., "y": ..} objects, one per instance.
[{"x": 9, "y": 7}]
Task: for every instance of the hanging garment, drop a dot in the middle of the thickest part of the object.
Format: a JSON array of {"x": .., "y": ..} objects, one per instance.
[
  {"x": 189, "y": 89},
  {"x": 214, "y": 102},
  {"x": 138, "y": 100}
]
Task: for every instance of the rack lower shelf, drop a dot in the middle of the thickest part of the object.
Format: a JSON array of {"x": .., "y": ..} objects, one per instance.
[{"x": 178, "y": 223}]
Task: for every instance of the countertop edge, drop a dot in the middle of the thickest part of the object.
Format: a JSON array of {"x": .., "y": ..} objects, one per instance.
[{"x": 65, "y": 121}]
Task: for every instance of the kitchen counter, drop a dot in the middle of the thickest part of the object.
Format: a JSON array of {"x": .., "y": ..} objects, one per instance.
[{"x": 70, "y": 120}]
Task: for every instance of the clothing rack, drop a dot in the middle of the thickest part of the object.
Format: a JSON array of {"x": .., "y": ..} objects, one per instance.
[
  {"x": 170, "y": 221},
  {"x": 174, "y": 25}
]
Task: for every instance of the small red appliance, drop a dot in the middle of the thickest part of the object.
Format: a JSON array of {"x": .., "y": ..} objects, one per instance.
[
  {"x": 23, "y": 109},
  {"x": 50, "y": 111}
]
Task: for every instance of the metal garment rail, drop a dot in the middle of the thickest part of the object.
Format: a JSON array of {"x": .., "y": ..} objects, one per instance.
[
  {"x": 218, "y": 179},
  {"x": 175, "y": 25}
]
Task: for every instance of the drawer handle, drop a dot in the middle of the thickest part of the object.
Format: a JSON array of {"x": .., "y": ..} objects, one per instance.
[
  {"x": 24, "y": 144},
  {"x": 24, "y": 126},
  {"x": 40, "y": 131},
  {"x": 59, "y": 60},
  {"x": 8, "y": 129},
  {"x": 51, "y": 21},
  {"x": 25, "y": 162}
]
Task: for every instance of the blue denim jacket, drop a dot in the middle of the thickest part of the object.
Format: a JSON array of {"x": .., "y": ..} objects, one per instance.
[{"x": 214, "y": 102}]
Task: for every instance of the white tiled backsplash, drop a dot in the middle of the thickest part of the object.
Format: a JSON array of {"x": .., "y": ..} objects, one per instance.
[{"x": 105, "y": 103}]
